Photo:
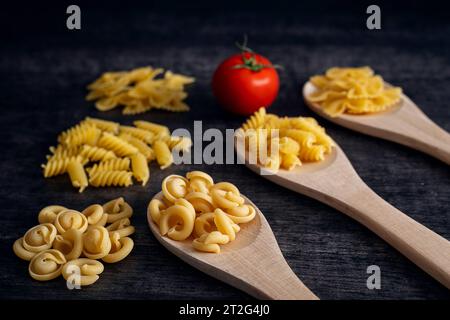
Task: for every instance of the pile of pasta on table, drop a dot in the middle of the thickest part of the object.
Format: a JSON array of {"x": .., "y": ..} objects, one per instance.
[{"x": 103, "y": 153}]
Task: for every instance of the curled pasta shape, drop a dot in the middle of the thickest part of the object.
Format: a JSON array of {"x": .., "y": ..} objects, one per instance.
[
  {"x": 121, "y": 164},
  {"x": 242, "y": 214},
  {"x": 140, "y": 168},
  {"x": 199, "y": 181},
  {"x": 122, "y": 227},
  {"x": 204, "y": 224},
  {"x": 95, "y": 215},
  {"x": 225, "y": 225},
  {"x": 21, "y": 252},
  {"x": 96, "y": 153},
  {"x": 289, "y": 161},
  {"x": 70, "y": 244},
  {"x": 256, "y": 120},
  {"x": 314, "y": 153},
  {"x": 225, "y": 195},
  {"x": 77, "y": 175},
  {"x": 116, "y": 178},
  {"x": 59, "y": 166},
  {"x": 62, "y": 151},
  {"x": 209, "y": 242},
  {"x": 156, "y": 208},
  {"x": 174, "y": 187},
  {"x": 46, "y": 265},
  {"x": 86, "y": 271},
  {"x": 119, "y": 146},
  {"x": 120, "y": 248},
  {"x": 117, "y": 209},
  {"x": 201, "y": 202},
  {"x": 49, "y": 213},
  {"x": 143, "y": 148},
  {"x": 83, "y": 133},
  {"x": 104, "y": 125},
  {"x": 163, "y": 154},
  {"x": 177, "y": 222},
  {"x": 39, "y": 238},
  {"x": 159, "y": 130},
  {"x": 141, "y": 134},
  {"x": 71, "y": 219},
  {"x": 96, "y": 242}
]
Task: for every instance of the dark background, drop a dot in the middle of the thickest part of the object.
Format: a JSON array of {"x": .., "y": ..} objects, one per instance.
[{"x": 44, "y": 69}]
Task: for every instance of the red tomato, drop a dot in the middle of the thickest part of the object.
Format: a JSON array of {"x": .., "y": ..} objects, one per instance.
[{"x": 245, "y": 82}]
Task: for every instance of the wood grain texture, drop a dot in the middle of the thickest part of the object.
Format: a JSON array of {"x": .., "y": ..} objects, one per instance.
[
  {"x": 252, "y": 263},
  {"x": 45, "y": 69}
]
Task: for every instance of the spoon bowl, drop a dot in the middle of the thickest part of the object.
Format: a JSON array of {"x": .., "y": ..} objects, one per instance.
[
  {"x": 253, "y": 262},
  {"x": 403, "y": 123}
]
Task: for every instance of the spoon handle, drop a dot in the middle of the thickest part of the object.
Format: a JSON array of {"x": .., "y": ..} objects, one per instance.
[
  {"x": 421, "y": 133},
  {"x": 425, "y": 248},
  {"x": 271, "y": 278}
]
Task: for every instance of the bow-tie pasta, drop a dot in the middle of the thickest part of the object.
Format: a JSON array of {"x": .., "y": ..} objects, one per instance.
[
  {"x": 69, "y": 242},
  {"x": 352, "y": 90},
  {"x": 196, "y": 208}
]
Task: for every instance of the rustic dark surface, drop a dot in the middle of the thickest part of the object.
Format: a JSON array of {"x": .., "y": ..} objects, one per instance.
[{"x": 44, "y": 70}]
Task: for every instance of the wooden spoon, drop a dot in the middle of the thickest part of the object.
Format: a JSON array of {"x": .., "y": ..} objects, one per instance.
[
  {"x": 252, "y": 263},
  {"x": 405, "y": 124},
  {"x": 335, "y": 182}
]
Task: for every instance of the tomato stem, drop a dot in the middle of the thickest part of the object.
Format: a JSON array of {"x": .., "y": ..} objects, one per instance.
[{"x": 250, "y": 63}]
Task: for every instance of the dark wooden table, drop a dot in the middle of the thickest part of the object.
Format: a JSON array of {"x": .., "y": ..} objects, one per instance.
[{"x": 44, "y": 70}]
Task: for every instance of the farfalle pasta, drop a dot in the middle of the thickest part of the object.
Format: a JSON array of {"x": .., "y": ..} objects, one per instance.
[
  {"x": 69, "y": 242},
  {"x": 140, "y": 90},
  {"x": 196, "y": 208},
  {"x": 352, "y": 90},
  {"x": 103, "y": 153},
  {"x": 283, "y": 142}
]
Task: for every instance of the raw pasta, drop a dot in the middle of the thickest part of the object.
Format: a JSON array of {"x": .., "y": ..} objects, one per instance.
[
  {"x": 284, "y": 142},
  {"x": 140, "y": 90},
  {"x": 116, "y": 155},
  {"x": 352, "y": 90},
  {"x": 55, "y": 246},
  {"x": 195, "y": 207}
]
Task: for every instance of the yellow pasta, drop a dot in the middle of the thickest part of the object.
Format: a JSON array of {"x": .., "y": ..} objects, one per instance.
[
  {"x": 116, "y": 144},
  {"x": 70, "y": 244},
  {"x": 163, "y": 154},
  {"x": 140, "y": 90},
  {"x": 55, "y": 246},
  {"x": 143, "y": 148},
  {"x": 47, "y": 265},
  {"x": 104, "y": 125},
  {"x": 158, "y": 130},
  {"x": 117, "y": 178},
  {"x": 77, "y": 175},
  {"x": 120, "y": 248},
  {"x": 83, "y": 133},
  {"x": 71, "y": 219},
  {"x": 49, "y": 213},
  {"x": 121, "y": 164},
  {"x": 140, "y": 168},
  {"x": 352, "y": 90},
  {"x": 144, "y": 135},
  {"x": 86, "y": 271},
  {"x": 110, "y": 151},
  {"x": 59, "y": 166},
  {"x": 197, "y": 208},
  {"x": 96, "y": 242},
  {"x": 96, "y": 153},
  {"x": 284, "y": 142}
]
